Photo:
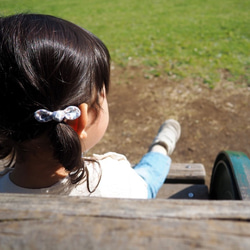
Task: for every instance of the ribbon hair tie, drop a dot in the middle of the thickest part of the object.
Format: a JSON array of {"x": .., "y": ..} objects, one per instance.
[{"x": 70, "y": 113}]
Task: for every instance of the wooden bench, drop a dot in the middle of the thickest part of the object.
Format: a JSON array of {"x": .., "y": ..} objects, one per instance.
[{"x": 181, "y": 217}]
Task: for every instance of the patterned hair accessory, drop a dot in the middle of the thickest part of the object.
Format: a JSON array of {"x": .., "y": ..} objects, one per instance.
[{"x": 70, "y": 113}]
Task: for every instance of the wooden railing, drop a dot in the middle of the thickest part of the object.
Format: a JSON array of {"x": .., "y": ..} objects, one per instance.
[{"x": 60, "y": 222}]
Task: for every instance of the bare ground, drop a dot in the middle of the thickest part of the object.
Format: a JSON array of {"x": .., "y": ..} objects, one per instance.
[{"x": 212, "y": 120}]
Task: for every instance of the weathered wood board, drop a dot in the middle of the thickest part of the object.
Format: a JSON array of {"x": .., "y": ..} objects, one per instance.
[
  {"x": 186, "y": 173},
  {"x": 60, "y": 222}
]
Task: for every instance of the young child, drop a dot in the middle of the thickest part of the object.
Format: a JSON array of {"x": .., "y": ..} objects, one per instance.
[{"x": 54, "y": 80}]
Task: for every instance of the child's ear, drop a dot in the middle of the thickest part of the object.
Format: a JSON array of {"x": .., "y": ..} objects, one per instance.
[{"x": 79, "y": 124}]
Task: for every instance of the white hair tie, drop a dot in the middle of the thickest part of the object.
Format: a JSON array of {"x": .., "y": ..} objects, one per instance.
[{"x": 70, "y": 113}]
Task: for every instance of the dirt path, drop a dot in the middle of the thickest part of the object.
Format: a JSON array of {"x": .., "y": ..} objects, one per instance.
[{"x": 211, "y": 120}]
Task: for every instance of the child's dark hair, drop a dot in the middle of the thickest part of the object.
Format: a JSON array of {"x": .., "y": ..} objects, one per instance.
[{"x": 47, "y": 63}]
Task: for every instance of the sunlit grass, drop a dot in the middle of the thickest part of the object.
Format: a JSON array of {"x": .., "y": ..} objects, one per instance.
[{"x": 180, "y": 38}]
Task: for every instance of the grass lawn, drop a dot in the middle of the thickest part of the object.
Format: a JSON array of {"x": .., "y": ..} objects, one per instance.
[{"x": 194, "y": 38}]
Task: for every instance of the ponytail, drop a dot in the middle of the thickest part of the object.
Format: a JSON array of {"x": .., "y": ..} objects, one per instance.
[{"x": 67, "y": 149}]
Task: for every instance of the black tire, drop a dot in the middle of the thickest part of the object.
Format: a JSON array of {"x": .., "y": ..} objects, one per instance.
[{"x": 223, "y": 185}]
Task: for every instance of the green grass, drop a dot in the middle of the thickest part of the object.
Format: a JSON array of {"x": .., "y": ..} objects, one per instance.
[{"x": 194, "y": 38}]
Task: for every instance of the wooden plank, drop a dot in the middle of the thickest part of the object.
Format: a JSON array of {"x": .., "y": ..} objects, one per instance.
[
  {"x": 183, "y": 191},
  {"x": 186, "y": 173},
  {"x": 60, "y": 222}
]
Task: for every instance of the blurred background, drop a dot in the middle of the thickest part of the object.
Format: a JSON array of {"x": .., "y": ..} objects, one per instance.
[{"x": 187, "y": 60}]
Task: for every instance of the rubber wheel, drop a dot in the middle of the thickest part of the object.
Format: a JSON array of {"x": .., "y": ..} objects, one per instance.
[{"x": 223, "y": 185}]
